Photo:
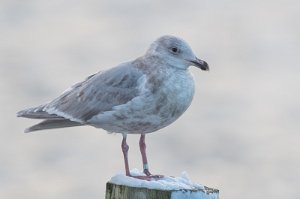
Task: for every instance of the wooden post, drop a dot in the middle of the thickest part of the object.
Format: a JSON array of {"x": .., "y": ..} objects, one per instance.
[{"x": 114, "y": 191}]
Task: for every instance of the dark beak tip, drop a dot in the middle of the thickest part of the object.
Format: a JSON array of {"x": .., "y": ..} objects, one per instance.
[
  {"x": 205, "y": 66},
  {"x": 201, "y": 64}
]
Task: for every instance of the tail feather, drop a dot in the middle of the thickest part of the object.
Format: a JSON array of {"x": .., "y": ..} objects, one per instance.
[
  {"x": 37, "y": 113},
  {"x": 52, "y": 124}
]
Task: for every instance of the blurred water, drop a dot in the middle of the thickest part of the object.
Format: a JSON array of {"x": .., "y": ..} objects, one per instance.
[{"x": 240, "y": 135}]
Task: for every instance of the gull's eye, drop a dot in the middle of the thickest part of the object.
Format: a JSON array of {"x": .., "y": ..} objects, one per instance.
[{"x": 175, "y": 50}]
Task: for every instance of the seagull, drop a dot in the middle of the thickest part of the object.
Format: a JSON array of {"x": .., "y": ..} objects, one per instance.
[{"x": 136, "y": 97}]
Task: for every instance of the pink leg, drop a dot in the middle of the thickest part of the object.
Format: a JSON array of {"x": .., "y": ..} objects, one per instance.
[
  {"x": 149, "y": 176},
  {"x": 125, "y": 149},
  {"x": 144, "y": 156}
]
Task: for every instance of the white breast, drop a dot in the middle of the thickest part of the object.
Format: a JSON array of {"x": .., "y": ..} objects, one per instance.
[{"x": 179, "y": 88}]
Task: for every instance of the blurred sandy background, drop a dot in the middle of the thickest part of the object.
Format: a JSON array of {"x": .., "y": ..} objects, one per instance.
[{"x": 240, "y": 135}]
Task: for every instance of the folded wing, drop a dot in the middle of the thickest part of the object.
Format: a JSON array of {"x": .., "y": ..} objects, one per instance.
[{"x": 98, "y": 93}]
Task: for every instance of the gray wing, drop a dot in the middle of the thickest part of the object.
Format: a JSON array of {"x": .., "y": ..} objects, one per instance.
[{"x": 98, "y": 93}]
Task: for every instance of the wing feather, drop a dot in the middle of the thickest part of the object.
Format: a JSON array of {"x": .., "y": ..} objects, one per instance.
[{"x": 99, "y": 93}]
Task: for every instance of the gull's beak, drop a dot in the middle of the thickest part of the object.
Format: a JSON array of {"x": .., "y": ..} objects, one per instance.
[{"x": 200, "y": 64}]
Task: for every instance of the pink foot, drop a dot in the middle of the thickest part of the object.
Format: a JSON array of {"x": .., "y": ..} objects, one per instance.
[{"x": 148, "y": 178}]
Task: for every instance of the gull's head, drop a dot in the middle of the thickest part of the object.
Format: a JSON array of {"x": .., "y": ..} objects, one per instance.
[{"x": 175, "y": 52}]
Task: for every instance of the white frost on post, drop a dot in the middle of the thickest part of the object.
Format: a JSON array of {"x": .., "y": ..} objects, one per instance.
[{"x": 182, "y": 187}]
